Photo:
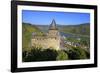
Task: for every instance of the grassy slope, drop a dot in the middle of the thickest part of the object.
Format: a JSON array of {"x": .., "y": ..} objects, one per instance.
[{"x": 27, "y": 30}]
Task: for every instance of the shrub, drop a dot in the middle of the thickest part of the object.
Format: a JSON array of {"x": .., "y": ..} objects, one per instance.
[
  {"x": 77, "y": 53},
  {"x": 62, "y": 56},
  {"x": 40, "y": 55}
]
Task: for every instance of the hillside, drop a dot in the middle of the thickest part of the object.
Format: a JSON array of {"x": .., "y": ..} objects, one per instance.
[
  {"x": 81, "y": 29},
  {"x": 27, "y": 30}
]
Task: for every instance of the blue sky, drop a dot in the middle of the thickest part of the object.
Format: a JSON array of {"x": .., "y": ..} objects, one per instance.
[{"x": 62, "y": 18}]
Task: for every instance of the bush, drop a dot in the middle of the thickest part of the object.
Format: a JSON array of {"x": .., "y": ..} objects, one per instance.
[
  {"x": 40, "y": 55},
  {"x": 49, "y": 55},
  {"x": 77, "y": 53},
  {"x": 62, "y": 56}
]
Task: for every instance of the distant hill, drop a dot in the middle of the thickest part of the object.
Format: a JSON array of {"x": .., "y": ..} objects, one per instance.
[{"x": 83, "y": 29}]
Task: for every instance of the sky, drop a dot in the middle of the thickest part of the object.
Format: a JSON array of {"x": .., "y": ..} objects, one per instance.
[{"x": 61, "y": 18}]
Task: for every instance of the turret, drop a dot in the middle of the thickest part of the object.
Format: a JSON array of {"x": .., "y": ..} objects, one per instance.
[
  {"x": 53, "y": 25},
  {"x": 53, "y": 31}
]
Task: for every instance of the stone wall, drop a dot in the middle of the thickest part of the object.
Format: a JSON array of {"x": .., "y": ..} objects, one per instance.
[{"x": 46, "y": 42}]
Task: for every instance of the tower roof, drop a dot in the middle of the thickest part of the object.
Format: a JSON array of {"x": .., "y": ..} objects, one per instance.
[{"x": 53, "y": 25}]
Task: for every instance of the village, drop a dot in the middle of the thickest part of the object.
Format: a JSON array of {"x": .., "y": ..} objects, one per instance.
[{"x": 69, "y": 43}]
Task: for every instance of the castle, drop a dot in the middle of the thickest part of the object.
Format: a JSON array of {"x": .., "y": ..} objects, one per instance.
[{"x": 50, "y": 40}]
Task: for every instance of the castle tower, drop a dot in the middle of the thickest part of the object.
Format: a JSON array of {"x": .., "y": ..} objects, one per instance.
[
  {"x": 54, "y": 34},
  {"x": 51, "y": 40},
  {"x": 53, "y": 31}
]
